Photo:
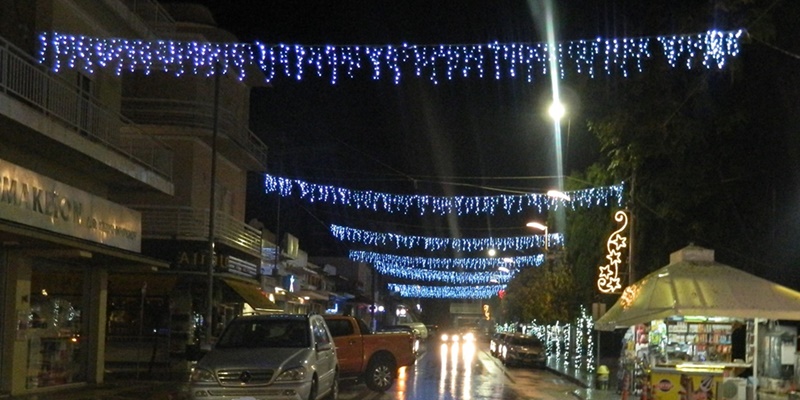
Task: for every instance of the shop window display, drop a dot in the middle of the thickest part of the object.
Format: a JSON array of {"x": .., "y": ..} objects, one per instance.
[{"x": 54, "y": 341}]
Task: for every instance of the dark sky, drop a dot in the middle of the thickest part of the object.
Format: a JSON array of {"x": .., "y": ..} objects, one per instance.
[{"x": 466, "y": 137}]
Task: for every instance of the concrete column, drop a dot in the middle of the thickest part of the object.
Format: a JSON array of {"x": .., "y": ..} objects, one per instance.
[
  {"x": 96, "y": 305},
  {"x": 16, "y": 303}
]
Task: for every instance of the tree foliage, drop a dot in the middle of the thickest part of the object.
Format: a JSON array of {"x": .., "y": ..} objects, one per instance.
[{"x": 544, "y": 294}]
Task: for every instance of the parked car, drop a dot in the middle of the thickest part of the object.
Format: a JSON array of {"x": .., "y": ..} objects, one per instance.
[
  {"x": 371, "y": 356},
  {"x": 266, "y": 356},
  {"x": 521, "y": 349},
  {"x": 496, "y": 343},
  {"x": 419, "y": 328},
  {"x": 406, "y": 329}
]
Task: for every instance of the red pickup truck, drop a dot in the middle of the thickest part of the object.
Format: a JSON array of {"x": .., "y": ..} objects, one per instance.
[{"x": 373, "y": 356}]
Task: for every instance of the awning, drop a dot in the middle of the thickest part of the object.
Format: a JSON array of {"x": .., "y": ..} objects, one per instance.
[
  {"x": 693, "y": 284},
  {"x": 312, "y": 295},
  {"x": 251, "y": 293}
]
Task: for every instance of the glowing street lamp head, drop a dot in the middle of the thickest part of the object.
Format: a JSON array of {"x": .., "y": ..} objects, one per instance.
[
  {"x": 537, "y": 225},
  {"x": 556, "y": 111},
  {"x": 492, "y": 252},
  {"x": 557, "y": 194}
]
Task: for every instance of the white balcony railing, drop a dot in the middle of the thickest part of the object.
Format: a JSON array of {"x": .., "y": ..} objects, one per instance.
[
  {"x": 196, "y": 114},
  {"x": 186, "y": 223},
  {"x": 23, "y": 79}
]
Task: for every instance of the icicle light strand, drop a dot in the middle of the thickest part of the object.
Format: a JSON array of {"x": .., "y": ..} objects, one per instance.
[
  {"x": 432, "y": 62},
  {"x": 398, "y": 241},
  {"x": 446, "y": 292},
  {"x": 424, "y": 205}
]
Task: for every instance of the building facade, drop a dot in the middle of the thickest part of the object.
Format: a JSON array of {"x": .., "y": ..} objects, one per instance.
[{"x": 66, "y": 151}]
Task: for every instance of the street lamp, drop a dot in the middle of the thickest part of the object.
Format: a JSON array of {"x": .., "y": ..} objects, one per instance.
[
  {"x": 556, "y": 111},
  {"x": 541, "y": 227},
  {"x": 557, "y": 194}
]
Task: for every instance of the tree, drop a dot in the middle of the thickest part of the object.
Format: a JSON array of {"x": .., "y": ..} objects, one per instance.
[{"x": 544, "y": 294}]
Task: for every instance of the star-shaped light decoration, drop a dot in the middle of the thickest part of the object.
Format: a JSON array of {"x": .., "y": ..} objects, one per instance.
[{"x": 608, "y": 280}]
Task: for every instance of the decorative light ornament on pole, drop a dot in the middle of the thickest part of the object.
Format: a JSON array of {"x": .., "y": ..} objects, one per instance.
[
  {"x": 541, "y": 227},
  {"x": 609, "y": 280}
]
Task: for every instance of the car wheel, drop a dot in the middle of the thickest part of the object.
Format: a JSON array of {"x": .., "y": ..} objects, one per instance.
[
  {"x": 312, "y": 394},
  {"x": 379, "y": 375},
  {"x": 334, "y": 393}
]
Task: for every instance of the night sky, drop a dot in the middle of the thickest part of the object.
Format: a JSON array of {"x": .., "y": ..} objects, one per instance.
[{"x": 466, "y": 137}]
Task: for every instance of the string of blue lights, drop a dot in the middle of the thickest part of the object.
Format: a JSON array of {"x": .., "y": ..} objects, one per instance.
[
  {"x": 447, "y": 292},
  {"x": 433, "y": 62},
  {"x": 383, "y": 239},
  {"x": 445, "y": 263},
  {"x": 423, "y": 204}
]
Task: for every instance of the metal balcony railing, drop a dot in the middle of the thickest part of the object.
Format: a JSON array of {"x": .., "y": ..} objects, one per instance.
[
  {"x": 196, "y": 114},
  {"x": 154, "y": 16},
  {"x": 23, "y": 79},
  {"x": 186, "y": 223}
]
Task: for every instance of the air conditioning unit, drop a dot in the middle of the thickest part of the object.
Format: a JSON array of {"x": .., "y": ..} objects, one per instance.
[{"x": 733, "y": 389}]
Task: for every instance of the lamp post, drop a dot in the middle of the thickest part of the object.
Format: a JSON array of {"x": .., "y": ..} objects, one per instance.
[
  {"x": 541, "y": 227},
  {"x": 211, "y": 216}
]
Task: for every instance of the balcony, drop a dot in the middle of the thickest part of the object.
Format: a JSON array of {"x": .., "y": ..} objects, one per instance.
[
  {"x": 235, "y": 136},
  {"x": 186, "y": 223},
  {"x": 50, "y": 105},
  {"x": 154, "y": 16}
]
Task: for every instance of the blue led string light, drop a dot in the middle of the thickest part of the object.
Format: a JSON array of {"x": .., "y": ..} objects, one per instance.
[
  {"x": 448, "y": 270},
  {"x": 474, "y": 264},
  {"x": 381, "y": 239},
  {"x": 432, "y": 62},
  {"x": 446, "y": 292},
  {"x": 422, "y": 204},
  {"x": 452, "y": 277}
]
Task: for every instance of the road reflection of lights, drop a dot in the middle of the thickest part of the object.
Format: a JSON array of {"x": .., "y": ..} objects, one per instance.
[
  {"x": 443, "y": 350},
  {"x": 468, "y": 355},
  {"x": 402, "y": 378}
]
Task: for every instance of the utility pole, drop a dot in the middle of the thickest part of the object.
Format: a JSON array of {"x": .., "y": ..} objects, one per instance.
[{"x": 210, "y": 260}]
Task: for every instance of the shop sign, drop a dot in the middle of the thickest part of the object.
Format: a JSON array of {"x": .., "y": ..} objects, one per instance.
[
  {"x": 35, "y": 200},
  {"x": 194, "y": 260}
]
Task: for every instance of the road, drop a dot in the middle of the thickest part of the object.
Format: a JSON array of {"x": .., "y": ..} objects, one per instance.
[{"x": 466, "y": 372}]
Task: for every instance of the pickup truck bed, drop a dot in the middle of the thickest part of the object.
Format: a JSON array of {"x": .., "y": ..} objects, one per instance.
[{"x": 372, "y": 356}]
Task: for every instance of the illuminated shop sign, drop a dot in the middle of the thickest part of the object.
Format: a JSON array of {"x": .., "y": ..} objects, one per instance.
[{"x": 38, "y": 201}]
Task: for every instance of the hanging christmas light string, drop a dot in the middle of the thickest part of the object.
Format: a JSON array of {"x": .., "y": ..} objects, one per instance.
[
  {"x": 423, "y": 204},
  {"x": 450, "y": 277},
  {"x": 446, "y": 292},
  {"x": 436, "y": 63},
  {"x": 397, "y": 241},
  {"x": 444, "y": 263},
  {"x": 448, "y": 270}
]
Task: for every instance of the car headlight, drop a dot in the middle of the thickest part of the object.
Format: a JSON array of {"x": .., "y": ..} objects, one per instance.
[
  {"x": 469, "y": 337},
  {"x": 445, "y": 337},
  {"x": 292, "y": 374},
  {"x": 455, "y": 338},
  {"x": 202, "y": 375}
]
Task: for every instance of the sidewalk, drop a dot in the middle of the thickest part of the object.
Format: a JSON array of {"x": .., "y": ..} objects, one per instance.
[
  {"x": 584, "y": 379},
  {"x": 116, "y": 390}
]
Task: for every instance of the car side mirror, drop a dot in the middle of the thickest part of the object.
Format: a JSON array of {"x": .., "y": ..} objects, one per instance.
[{"x": 323, "y": 346}]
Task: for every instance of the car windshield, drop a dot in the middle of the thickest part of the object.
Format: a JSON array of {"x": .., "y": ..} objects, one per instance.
[
  {"x": 259, "y": 333},
  {"x": 524, "y": 341}
]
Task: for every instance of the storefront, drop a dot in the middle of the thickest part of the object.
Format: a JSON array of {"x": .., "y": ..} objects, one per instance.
[
  {"x": 696, "y": 327},
  {"x": 58, "y": 245}
]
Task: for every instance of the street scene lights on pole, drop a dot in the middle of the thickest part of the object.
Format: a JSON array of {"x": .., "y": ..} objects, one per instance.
[{"x": 541, "y": 227}]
